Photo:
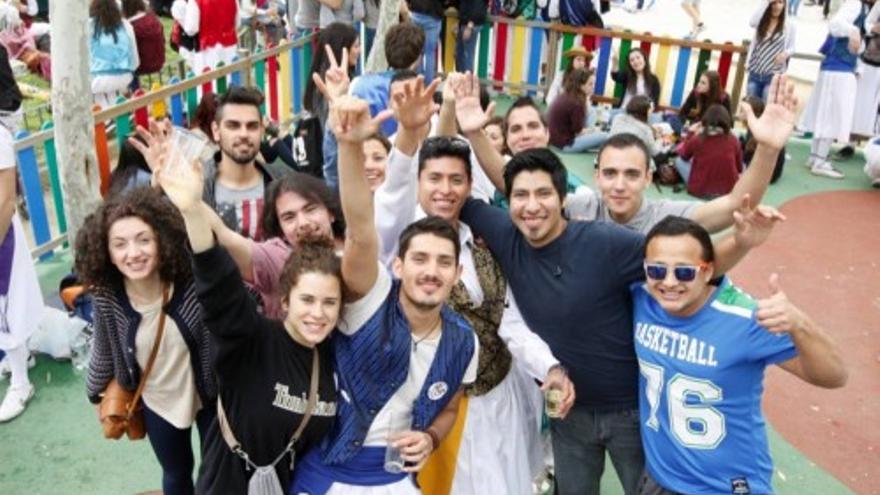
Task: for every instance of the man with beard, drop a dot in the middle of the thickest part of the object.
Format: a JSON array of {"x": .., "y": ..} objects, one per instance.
[
  {"x": 235, "y": 182},
  {"x": 402, "y": 356}
]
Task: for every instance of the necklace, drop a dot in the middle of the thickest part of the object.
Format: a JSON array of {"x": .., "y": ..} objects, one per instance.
[{"x": 417, "y": 341}]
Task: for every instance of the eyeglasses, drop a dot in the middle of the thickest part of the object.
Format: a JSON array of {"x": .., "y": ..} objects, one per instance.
[{"x": 683, "y": 273}]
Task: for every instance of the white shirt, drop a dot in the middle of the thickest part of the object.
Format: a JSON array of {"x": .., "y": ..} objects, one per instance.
[{"x": 398, "y": 195}]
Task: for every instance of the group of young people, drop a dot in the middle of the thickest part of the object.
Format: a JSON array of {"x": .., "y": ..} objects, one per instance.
[{"x": 400, "y": 336}]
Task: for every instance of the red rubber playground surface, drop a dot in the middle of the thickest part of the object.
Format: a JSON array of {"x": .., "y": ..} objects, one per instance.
[{"x": 828, "y": 257}]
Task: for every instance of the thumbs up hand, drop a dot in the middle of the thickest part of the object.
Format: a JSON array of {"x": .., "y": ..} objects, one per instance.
[{"x": 776, "y": 313}]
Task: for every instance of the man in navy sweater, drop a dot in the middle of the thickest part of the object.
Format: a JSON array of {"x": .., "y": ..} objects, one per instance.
[{"x": 571, "y": 280}]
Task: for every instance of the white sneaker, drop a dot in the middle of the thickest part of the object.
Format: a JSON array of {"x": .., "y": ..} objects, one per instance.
[
  {"x": 824, "y": 169},
  {"x": 15, "y": 401}
]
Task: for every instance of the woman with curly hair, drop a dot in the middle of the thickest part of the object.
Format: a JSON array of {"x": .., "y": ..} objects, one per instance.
[{"x": 130, "y": 254}]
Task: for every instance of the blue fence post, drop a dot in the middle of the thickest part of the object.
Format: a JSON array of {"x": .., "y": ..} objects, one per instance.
[{"x": 33, "y": 194}]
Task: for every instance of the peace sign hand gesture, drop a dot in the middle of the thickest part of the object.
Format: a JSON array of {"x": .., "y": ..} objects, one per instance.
[{"x": 335, "y": 82}]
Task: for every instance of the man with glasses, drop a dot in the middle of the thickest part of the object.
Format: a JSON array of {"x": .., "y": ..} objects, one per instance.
[{"x": 702, "y": 352}]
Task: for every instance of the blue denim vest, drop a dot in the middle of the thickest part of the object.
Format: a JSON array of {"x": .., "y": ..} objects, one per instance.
[
  {"x": 374, "y": 362},
  {"x": 838, "y": 58}
]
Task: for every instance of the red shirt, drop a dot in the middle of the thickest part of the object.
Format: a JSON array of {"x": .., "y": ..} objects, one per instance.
[{"x": 716, "y": 162}]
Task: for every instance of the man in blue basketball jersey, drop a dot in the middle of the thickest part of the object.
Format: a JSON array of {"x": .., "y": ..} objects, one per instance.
[{"x": 702, "y": 352}]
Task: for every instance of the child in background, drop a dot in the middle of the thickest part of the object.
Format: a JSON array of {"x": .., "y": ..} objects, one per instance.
[{"x": 710, "y": 160}]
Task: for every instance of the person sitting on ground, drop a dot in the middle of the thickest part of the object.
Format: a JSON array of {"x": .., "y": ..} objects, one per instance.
[
  {"x": 749, "y": 143},
  {"x": 710, "y": 160},
  {"x": 636, "y": 78},
  {"x": 577, "y": 58},
  {"x": 21, "y": 43},
  {"x": 635, "y": 121},
  {"x": 707, "y": 92},
  {"x": 568, "y": 114},
  {"x": 113, "y": 52}
]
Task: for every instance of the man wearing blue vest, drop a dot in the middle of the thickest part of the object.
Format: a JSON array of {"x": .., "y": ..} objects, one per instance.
[
  {"x": 402, "y": 357},
  {"x": 702, "y": 352}
]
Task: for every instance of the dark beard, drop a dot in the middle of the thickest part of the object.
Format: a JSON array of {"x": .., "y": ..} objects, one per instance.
[{"x": 241, "y": 159}]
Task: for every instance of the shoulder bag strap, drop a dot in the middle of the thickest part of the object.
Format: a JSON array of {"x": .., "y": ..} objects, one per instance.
[
  {"x": 235, "y": 445},
  {"x": 153, "y": 353}
]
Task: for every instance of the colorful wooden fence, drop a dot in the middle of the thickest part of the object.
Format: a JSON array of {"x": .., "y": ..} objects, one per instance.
[
  {"x": 521, "y": 57},
  {"x": 280, "y": 72}
]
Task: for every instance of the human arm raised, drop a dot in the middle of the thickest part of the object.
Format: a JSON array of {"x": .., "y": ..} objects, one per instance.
[
  {"x": 349, "y": 120},
  {"x": 471, "y": 119},
  {"x": 818, "y": 361},
  {"x": 752, "y": 226},
  {"x": 771, "y": 131}
]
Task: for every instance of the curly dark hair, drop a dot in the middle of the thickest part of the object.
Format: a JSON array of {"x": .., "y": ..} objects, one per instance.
[
  {"x": 92, "y": 257},
  {"x": 312, "y": 255}
]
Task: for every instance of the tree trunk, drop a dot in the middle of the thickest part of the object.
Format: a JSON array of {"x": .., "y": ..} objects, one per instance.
[
  {"x": 72, "y": 111},
  {"x": 389, "y": 15}
]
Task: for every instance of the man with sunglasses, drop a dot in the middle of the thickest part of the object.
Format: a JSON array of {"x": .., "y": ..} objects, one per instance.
[{"x": 702, "y": 352}]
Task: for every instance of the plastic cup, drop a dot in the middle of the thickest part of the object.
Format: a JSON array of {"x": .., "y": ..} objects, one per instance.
[
  {"x": 393, "y": 461},
  {"x": 185, "y": 148}
]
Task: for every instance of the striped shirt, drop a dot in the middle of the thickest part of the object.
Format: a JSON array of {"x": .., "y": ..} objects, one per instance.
[{"x": 764, "y": 53}]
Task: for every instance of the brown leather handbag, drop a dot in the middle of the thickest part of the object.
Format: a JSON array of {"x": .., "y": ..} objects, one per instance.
[{"x": 121, "y": 411}]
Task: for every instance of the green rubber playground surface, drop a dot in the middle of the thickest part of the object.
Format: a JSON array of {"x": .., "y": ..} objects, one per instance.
[{"x": 56, "y": 446}]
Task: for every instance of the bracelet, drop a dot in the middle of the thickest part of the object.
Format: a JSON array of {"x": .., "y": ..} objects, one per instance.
[{"x": 435, "y": 439}]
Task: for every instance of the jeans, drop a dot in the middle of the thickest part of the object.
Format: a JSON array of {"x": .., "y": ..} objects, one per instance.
[
  {"x": 684, "y": 168},
  {"x": 648, "y": 486},
  {"x": 173, "y": 449},
  {"x": 759, "y": 85},
  {"x": 793, "y": 6},
  {"x": 585, "y": 142},
  {"x": 465, "y": 49},
  {"x": 579, "y": 445},
  {"x": 431, "y": 26},
  {"x": 330, "y": 150}
]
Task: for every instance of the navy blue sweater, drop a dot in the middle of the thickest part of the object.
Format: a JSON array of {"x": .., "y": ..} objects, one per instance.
[{"x": 574, "y": 293}]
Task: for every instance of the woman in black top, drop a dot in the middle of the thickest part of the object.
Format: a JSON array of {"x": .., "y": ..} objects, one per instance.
[
  {"x": 637, "y": 78},
  {"x": 263, "y": 366},
  {"x": 706, "y": 92}
]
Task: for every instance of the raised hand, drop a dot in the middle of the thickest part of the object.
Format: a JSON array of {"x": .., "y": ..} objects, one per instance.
[
  {"x": 470, "y": 115},
  {"x": 335, "y": 81},
  {"x": 776, "y": 313},
  {"x": 777, "y": 122},
  {"x": 414, "y": 106},
  {"x": 752, "y": 226},
  {"x": 155, "y": 145},
  {"x": 350, "y": 120},
  {"x": 183, "y": 185}
]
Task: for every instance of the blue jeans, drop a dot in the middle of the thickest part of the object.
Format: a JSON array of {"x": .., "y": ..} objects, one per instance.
[
  {"x": 330, "y": 150},
  {"x": 684, "y": 168},
  {"x": 586, "y": 142},
  {"x": 173, "y": 449},
  {"x": 793, "y": 6},
  {"x": 431, "y": 26},
  {"x": 759, "y": 85},
  {"x": 579, "y": 445},
  {"x": 465, "y": 49}
]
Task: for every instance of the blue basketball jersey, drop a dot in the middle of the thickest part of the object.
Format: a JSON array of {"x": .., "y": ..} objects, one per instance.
[{"x": 700, "y": 391}]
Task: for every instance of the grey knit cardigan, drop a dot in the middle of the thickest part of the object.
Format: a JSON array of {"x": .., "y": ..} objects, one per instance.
[{"x": 113, "y": 347}]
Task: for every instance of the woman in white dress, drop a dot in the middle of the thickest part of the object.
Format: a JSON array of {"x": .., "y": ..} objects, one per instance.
[{"x": 20, "y": 296}]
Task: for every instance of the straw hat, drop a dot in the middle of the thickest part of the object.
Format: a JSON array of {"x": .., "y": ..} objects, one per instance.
[{"x": 577, "y": 51}]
